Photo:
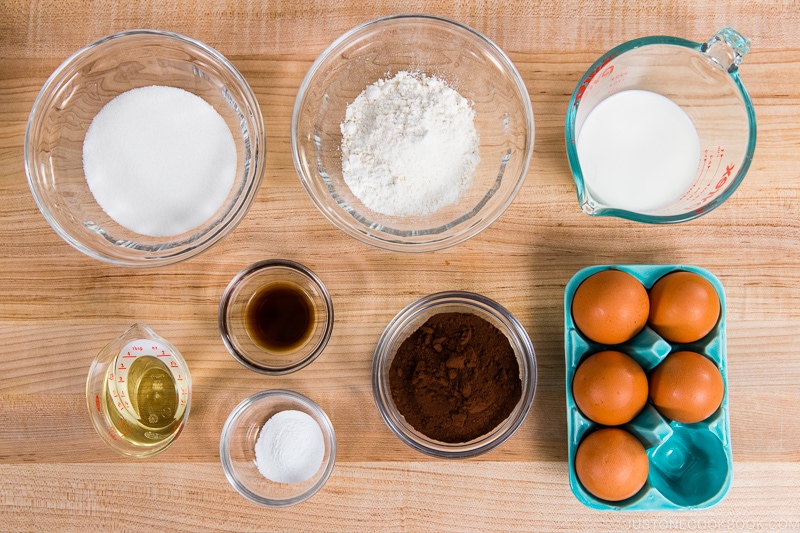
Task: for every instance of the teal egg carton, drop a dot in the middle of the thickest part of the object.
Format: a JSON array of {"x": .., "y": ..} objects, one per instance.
[{"x": 690, "y": 465}]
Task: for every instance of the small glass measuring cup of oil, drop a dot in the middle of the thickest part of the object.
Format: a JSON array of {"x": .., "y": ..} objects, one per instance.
[
  {"x": 275, "y": 317},
  {"x": 661, "y": 129},
  {"x": 139, "y": 392}
]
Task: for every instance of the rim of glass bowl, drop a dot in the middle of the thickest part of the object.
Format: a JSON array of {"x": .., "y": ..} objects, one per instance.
[
  {"x": 341, "y": 215},
  {"x": 225, "y": 301},
  {"x": 519, "y": 340},
  {"x": 196, "y": 243},
  {"x": 225, "y": 456}
]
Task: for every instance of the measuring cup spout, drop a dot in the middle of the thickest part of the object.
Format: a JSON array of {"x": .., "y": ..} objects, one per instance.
[
  {"x": 727, "y": 48},
  {"x": 590, "y": 205}
]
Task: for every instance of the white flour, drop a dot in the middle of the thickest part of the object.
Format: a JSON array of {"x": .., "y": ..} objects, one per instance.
[{"x": 409, "y": 145}]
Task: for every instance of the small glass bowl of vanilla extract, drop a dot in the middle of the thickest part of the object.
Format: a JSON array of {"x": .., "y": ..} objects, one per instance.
[{"x": 275, "y": 317}]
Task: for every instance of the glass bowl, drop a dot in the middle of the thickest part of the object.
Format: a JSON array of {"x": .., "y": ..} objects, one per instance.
[
  {"x": 234, "y": 307},
  {"x": 407, "y": 322},
  {"x": 238, "y": 441},
  {"x": 469, "y": 63},
  {"x": 81, "y": 86}
]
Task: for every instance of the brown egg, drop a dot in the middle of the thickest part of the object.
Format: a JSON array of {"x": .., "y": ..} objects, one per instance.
[
  {"x": 684, "y": 307},
  {"x": 686, "y": 387},
  {"x": 611, "y": 464},
  {"x": 610, "y": 388},
  {"x": 610, "y": 306}
]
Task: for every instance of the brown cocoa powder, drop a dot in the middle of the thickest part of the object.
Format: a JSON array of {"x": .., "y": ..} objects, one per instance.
[{"x": 455, "y": 378}]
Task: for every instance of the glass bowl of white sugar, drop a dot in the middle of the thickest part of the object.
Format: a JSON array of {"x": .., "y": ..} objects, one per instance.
[
  {"x": 412, "y": 133},
  {"x": 277, "y": 448},
  {"x": 144, "y": 148}
]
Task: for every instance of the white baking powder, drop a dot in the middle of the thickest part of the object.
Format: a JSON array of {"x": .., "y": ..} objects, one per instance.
[
  {"x": 159, "y": 160},
  {"x": 409, "y": 145},
  {"x": 290, "y": 447}
]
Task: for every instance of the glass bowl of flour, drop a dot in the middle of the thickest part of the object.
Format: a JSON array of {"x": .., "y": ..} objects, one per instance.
[
  {"x": 412, "y": 133},
  {"x": 144, "y": 148}
]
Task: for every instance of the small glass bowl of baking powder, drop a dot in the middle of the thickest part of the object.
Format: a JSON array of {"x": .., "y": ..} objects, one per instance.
[
  {"x": 428, "y": 48},
  {"x": 412, "y": 319},
  {"x": 238, "y": 442},
  {"x": 155, "y": 63}
]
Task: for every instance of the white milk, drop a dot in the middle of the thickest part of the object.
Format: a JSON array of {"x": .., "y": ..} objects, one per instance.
[{"x": 638, "y": 151}]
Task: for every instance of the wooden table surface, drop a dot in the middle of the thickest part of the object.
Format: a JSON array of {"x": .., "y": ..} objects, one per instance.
[{"x": 58, "y": 308}]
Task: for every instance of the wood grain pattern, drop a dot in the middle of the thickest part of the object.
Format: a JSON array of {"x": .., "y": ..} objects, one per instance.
[
  {"x": 58, "y": 308},
  {"x": 360, "y": 496}
]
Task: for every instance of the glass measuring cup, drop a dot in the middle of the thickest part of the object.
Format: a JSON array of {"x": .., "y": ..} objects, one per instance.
[
  {"x": 701, "y": 78},
  {"x": 138, "y": 392}
]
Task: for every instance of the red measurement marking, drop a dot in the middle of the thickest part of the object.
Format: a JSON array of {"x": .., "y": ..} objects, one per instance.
[
  {"x": 127, "y": 428},
  {"x": 180, "y": 378},
  {"x": 588, "y": 81},
  {"x": 129, "y": 356},
  {"x": 121, "y": 380},
  {"x": 97, "y": 401},
  {"x": 173, "y": 364},
  {"x": 122, "y": 366},
  {"x": 725, "y": 176},
  {"x": 162, "y": 354}
]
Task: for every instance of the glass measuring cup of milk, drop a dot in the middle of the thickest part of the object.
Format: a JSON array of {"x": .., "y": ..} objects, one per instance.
[
  {"x": 138, "y": 392},
  {"x": 661, "y": 129}
]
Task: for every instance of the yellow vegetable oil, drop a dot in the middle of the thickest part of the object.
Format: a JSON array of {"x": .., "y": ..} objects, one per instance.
[
  {"x": 145, "y": 408},
  {"x": 138, "y": 392}
]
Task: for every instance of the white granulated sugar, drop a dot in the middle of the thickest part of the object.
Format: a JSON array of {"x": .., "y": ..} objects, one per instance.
[
  {"x": 409, "y": 145},
  {"x": 290, "y": 447},
  {"x": 159, "y": 160}
]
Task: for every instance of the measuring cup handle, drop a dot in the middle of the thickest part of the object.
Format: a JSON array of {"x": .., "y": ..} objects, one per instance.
[{"x": 727, "y": 48}]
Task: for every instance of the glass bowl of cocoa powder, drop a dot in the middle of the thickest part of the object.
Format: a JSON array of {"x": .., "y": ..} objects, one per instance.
[{"x": 454, "y": 374}]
